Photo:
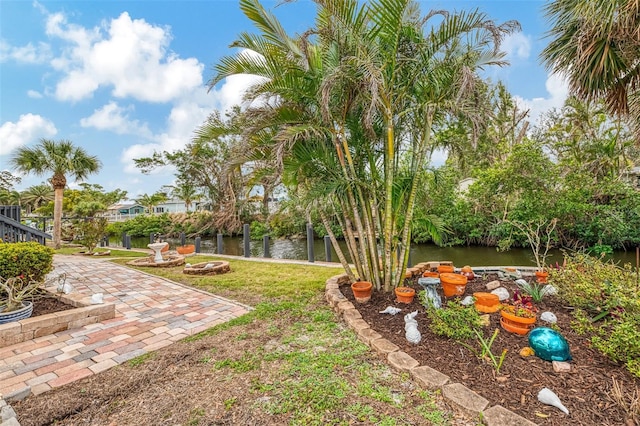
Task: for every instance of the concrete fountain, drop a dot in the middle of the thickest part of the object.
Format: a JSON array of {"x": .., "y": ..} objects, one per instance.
[{"x": 158, "y": 259}]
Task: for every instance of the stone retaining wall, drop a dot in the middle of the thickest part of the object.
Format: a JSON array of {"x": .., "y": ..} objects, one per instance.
[
  {"x": 456, "y": 394},
  {"x": 43, "y": 325}
]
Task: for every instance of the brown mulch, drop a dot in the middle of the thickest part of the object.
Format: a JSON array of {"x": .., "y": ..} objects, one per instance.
[{"x": 585, "y": 390}]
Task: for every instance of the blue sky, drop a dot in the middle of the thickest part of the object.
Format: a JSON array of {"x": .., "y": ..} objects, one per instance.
[{"x": 125, "y": 78}]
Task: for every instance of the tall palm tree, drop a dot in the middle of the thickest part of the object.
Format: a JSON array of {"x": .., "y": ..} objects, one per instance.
[
  {"x": 185, "y": 191},
  {"x": 151, "y": 201},
  {"x": 596, "y": 44},
  {"x": 59, "y": 159},
  {"x": 359, "y": 102}
]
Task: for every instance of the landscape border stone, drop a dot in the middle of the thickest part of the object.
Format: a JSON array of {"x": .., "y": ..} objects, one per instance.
[
  {"x": 455, "y": 393},
  {"x": 84, "y": 313}
]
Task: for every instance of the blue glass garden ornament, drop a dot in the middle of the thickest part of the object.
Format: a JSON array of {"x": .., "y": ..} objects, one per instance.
[{"x": 549, "y": 345}]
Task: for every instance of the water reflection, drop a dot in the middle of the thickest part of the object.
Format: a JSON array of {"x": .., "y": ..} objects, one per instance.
[{"x": 297, "y": 249}]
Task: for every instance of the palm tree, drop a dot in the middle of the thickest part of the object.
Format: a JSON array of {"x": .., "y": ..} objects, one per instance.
[
  {"x": 60, "y": 159},
  {"x": 150, "y": 201},
  {"x": 358, "y": 102},
  {"x": 596, "y": 44},
  {"x": 185, "y": 191},
  {"x": 36, "y": 196}
]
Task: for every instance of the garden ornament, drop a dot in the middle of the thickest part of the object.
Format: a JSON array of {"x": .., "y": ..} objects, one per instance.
[
  {"x": 547, "y": 396},
  {"x": 549, "y": 290},
  {"x": 521, "y": 282},
  {"x": 467, "y": 301},
  {"x": 411, "y": 328},
  {"x": 549, "y": 344},
  {"x": 391, "y": 310},
  {"x": 97, "y": 299},
  {"x": 430, "y": 286}
]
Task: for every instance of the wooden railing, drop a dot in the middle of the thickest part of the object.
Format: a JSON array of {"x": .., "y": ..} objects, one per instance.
[{"x": 12, "y": 231}]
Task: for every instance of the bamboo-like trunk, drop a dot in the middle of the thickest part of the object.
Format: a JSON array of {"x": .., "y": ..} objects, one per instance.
[
  {"x": 336, "y": 247},
  {"x": 388, "y": 219}
]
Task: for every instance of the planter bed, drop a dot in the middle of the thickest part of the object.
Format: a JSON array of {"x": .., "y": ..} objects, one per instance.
[{"x": 82, "y": 314}]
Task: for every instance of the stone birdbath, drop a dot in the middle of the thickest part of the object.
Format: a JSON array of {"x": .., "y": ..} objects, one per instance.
[{"x": 157, "y": 247}]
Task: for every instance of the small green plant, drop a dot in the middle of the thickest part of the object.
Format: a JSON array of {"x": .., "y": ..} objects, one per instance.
[
  {"x": 485, "y": 353},
  {"x": 454, "y": 321},
  {"x": 533, "y": 289},
  {"x": 31, "y": 260},
  {"x": 139, "y": 360},
  {"x": 581, "y": 323}
]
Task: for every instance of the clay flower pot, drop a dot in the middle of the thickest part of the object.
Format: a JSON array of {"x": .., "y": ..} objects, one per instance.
[
  {"x": 453, "y": 284},
  {"x": 165, "y": 248},
  {"x": 487, "y": 303},
  {"x": 430, "y": 274},
  {"x": 188, "y": 249},
  {"x": 542, "y": 276},
  {"x": 362, "y": 291},
  {"x": 447, "y": 269},
  {"x": 517, "y": 317},
  {"x": 405, "y": 294}
]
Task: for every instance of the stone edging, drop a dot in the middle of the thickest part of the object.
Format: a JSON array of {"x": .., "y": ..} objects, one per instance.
[
  {"x": 7, "y": 414},
  {"x": 455, "y": 393},
  {"x": 44, "y": 325}
]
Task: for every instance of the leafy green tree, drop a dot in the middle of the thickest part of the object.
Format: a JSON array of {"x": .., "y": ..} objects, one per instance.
[
  {"x": 185, "y": 191},
  {"x": 596, "y": 44},
  {"x": 350, "y": 113},
  {"x": 151, "y": 201},
  {"x": 60, "y": 159}
]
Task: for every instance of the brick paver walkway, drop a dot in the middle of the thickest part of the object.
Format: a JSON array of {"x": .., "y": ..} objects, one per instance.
[{"x": 151, "y": 312}]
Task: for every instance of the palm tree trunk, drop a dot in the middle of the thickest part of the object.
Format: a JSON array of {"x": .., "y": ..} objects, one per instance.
[
  {"x": 336, "y": 246},
  {"x": 57, "y": 216}
]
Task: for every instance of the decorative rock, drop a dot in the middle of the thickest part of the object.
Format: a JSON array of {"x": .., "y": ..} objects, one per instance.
[
  {"x": 97, "y": 299},
  {"x": 467, "y": 301},
  {"x": 521, "y": 282},
  {"x": 502, "y": 293},
  {"x": 492, "y": 285},
  {"x": 188, "y": 265},
  {"x": 549, "y": 290},
  {"x": 561, "y": 367},
  {"x": 549, "y": 317},
  {"x": 527, "y": 351},
  {"x": 485, "y": 320}
]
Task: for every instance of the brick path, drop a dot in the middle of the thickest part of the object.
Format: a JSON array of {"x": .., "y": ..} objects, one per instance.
[{"x": 151, "y": 312}]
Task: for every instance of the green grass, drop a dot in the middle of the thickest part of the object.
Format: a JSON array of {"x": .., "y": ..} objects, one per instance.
[
  {"x": 293, "y": 353},
  {"x": 114, "y": 253}
]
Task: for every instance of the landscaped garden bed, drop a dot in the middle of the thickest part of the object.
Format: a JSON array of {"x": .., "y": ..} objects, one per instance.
[{"x": 590, "y": 390}]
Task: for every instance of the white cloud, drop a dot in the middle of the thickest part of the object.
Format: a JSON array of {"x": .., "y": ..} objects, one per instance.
[
  {"x": 517, "y": 45},
  {"x": 114, "y": 118},
  {"x": 558, "y": 90},
  {"x": 129, "y": 55},
  {"x": 28, "y": 128},
  {"x": 34, "y": 94},
  {"x": 28, "y": 54}
]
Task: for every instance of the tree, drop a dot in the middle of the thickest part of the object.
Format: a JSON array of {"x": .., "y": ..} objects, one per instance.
[
  {"x": 61, "y": 159},
  {"x": 350, "y": 112},
  {"x": 185, "y": 191},
  {"x": 150, "y": 201},
  {"x": 37, "y": 196},
  {"x": 596, "y": 45}
]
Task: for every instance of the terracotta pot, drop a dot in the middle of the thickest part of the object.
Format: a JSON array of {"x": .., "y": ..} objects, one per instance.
[
  {"x": 514, "y": 328},
  {"x": 453, "y": 284},
  {"x": 513, "y": 321},
  {"x": 467, "y": 272},
  {"x": 542, "y": 276},
  {"x": 165, "y": 248},
  {"x": 447, "y": 269},
  {"x": 362, "y": 291},
  {"x": 486, "y": 302},
  {"x": 430, "y": 274},
  {"x": 188, "y": 249},
  {"x": 405, "y": 294}
]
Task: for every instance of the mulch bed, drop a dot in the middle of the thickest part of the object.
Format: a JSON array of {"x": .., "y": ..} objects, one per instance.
[{"x": 585, "y": 390}]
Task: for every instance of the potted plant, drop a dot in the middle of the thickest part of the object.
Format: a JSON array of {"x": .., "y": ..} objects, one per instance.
[
  {"x": 539, "y": 234},
  {"x": 517, "y": 317},
  {"x": 405, "y": 294},
  {"x": 14, "y": 293}
]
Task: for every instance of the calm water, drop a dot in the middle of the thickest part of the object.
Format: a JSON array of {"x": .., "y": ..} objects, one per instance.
[{"x": 297, "y": 249}]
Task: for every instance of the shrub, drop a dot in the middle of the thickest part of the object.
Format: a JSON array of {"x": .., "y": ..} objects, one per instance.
[
  {"x": 454, "y": 321},
  {"x": 31, "y": 260}
]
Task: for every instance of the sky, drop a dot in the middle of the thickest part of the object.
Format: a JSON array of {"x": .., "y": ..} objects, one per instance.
[{"x": 123, "y": 79}]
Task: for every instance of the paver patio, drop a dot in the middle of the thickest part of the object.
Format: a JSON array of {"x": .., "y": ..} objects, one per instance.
[{"x": 151, "y": 312}]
